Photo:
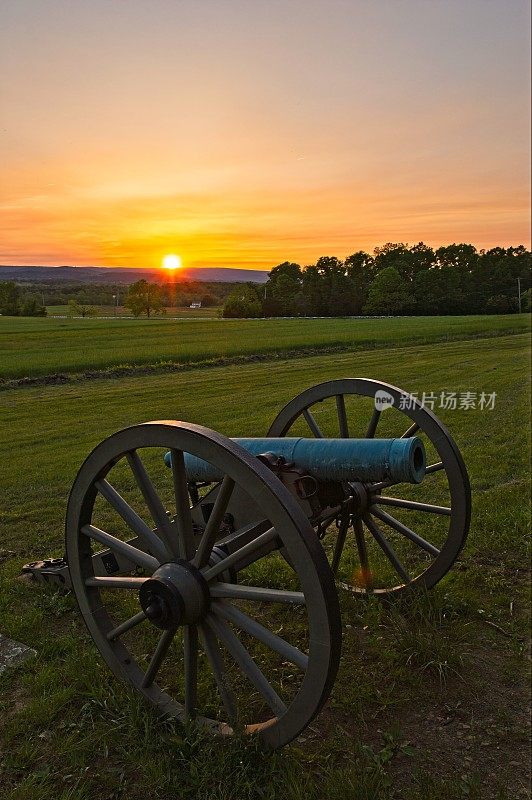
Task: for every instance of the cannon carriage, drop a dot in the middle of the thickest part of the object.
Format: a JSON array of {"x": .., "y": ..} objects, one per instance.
[{"x": 207, "y": 569}]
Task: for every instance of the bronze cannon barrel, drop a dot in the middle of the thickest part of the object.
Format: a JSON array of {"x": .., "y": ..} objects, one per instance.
[{"x": 398, "y": 460}]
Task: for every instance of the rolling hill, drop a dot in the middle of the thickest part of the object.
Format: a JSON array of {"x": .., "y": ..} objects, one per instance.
[{"x": 126, "y": 276}]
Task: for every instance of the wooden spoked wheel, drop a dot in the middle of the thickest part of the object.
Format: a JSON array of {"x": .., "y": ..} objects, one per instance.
[
  {"x": 389, "y": 537},
  {"x": 233, "y": 639}
]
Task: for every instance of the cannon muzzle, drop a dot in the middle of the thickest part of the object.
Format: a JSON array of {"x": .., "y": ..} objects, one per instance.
[{"x": 397, "y": 460}]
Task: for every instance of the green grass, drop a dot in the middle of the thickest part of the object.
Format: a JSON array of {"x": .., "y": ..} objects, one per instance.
[
  {"x": 41, "y": 346},
  {"x": 122, "y": 311},
  {"x": 70, "y": 730}
]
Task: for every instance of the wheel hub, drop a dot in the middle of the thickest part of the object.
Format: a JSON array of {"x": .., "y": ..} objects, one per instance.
[
  {"x": 176, "y": 594},
  {"x": 359, "y": 494}
]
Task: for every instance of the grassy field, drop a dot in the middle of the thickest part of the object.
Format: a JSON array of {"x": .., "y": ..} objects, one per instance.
[
  {"x": 41, "y": 346},
  {"x": 122, "y": 311},
  {"x": 431, "y": 700}
]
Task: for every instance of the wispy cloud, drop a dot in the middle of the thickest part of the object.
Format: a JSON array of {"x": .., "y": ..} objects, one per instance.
[{"x": 244, "y": 134}]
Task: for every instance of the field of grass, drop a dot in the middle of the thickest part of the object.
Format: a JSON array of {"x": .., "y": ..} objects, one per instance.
[
  {"x": 431, "y": 700},
  {"x": 122, "y": 311},
  {"x": 41, "y": 346}
]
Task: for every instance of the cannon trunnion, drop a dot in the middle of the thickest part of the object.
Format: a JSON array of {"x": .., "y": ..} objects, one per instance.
[{"x": 207, "y": 569}]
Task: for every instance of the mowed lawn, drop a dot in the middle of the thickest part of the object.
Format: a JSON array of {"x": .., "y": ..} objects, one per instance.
[
  {"x": 431, "y": 697},
  {"x": 109, "y": 311},
  {"x": 44, "y": 346}
]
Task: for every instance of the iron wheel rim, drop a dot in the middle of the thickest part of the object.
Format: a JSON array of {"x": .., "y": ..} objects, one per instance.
[
  {"x": 440, "y": 438},
  {"x": 292, "y": 528}
]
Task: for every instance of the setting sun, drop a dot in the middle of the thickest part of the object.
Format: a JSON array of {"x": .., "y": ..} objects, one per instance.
[{"x": 172, "y": 262}]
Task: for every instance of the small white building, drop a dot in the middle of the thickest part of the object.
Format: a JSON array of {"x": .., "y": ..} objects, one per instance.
[{"x": 195, "y": 305}]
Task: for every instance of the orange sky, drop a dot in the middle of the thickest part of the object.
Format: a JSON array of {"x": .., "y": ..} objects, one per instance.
[{"x": 244, "y": 134}]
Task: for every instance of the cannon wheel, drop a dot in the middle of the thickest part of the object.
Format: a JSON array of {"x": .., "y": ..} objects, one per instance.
[
  {"x": 371, "y": 505},
  {"x": 179, "y": 612}
]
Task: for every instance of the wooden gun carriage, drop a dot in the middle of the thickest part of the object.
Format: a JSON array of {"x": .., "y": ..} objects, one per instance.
[{"x": 202, "y": 565}]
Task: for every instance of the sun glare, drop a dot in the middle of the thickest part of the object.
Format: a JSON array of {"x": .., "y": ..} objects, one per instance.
[{"x": 172, "y": 262}]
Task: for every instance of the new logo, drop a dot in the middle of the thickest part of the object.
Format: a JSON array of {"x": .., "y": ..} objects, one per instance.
[{"x": 383, "y": 400}]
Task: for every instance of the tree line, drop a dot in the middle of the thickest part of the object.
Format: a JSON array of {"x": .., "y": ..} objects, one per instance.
[
  {"x": 16, "y": 303},
  {"x": 31, "y": 298},
  {"x": 397, "y": 279},
  {"x": 144, "y": 297}
]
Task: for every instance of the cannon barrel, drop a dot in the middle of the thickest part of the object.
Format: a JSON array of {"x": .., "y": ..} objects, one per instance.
[{"x": 331, "y": 459}]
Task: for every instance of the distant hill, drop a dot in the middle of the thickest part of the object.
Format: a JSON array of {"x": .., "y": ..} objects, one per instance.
[{"x": 127, "y": 276}]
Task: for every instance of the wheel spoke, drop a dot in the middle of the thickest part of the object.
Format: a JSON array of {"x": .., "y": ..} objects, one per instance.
[
  {"x": 148, "y": 538},
  {"x": 158, "y": 657},
  {"x": 246, "y": 664},
  {"x": 254, "y": 628},
  {"x": 409, "y": 534},
  {"x": 413, "y": 542},
  {"x": 240, "y": 591},
  {"x": 362, "y": 554},
  {"x": 126, "y": 626},
  {"x": 342, "y": 416},
  {"x": 387, "y": 484},
  {"x": 118, "y": 582},
  {"x": 153, "y": 501},
  {"x": 251, "y": 549},
  {"x": 374, "y": 421},
  {"x": 313, "y": 425},
  {"x": 255, "y": 554},
  {"x": 247, "y": 533},
  {"x": 215, "y": 520},
  {"x": 191, "y": 669},
  {"x": 138, "y": 557},
  {"x": 386, "y": 548},
  {"x": 377, "y": 487},
  {"x": 185, "y": 530},
  {"x": 340, "y": 541},
  {"x": 410, "y": 431},
  {"x": 218, "y": 668},
  {"x": 400, "y": 503}
]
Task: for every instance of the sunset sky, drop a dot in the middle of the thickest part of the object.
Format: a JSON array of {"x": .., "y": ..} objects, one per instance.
[{"x": 247, "y": 132}]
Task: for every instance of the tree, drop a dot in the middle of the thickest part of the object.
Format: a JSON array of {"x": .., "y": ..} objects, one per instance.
[
  {"x": 408, "y": 261},
  {"x": 281, "y": 289},
  {"x": 500, "y": 304},
  {"x": 438, "y": 291},
  {"x": 460, "y": 262},
  {"x": 422, "y": 257},
  {"x": 242, "y": 303},
  {"x": 462, "y": 256},
  {"x": 498, "y": 271},
  {"x": 342, "y": 295},
  {"x": 78, "y": 308},
  {"x": 284, "y": 291},
  {"x": 389, "y": 294},
  {"x": 360, "y": 268},
  {"x": 289, "y": 269},
  {"x": 31, "y": 307},
  {"x": 393, "y": 254},
  {"x": 328, "y": 265},
  {"x": 336, "y": 289},
  {"x": 314, "y": 301},
  {"x": 325, "y": 289},
  {"x": 144, "y": 298},
  {"x": 9, "y": 299}
]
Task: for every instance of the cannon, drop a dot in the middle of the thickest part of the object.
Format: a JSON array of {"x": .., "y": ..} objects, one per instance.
[{"x": 208, "y": 569}]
